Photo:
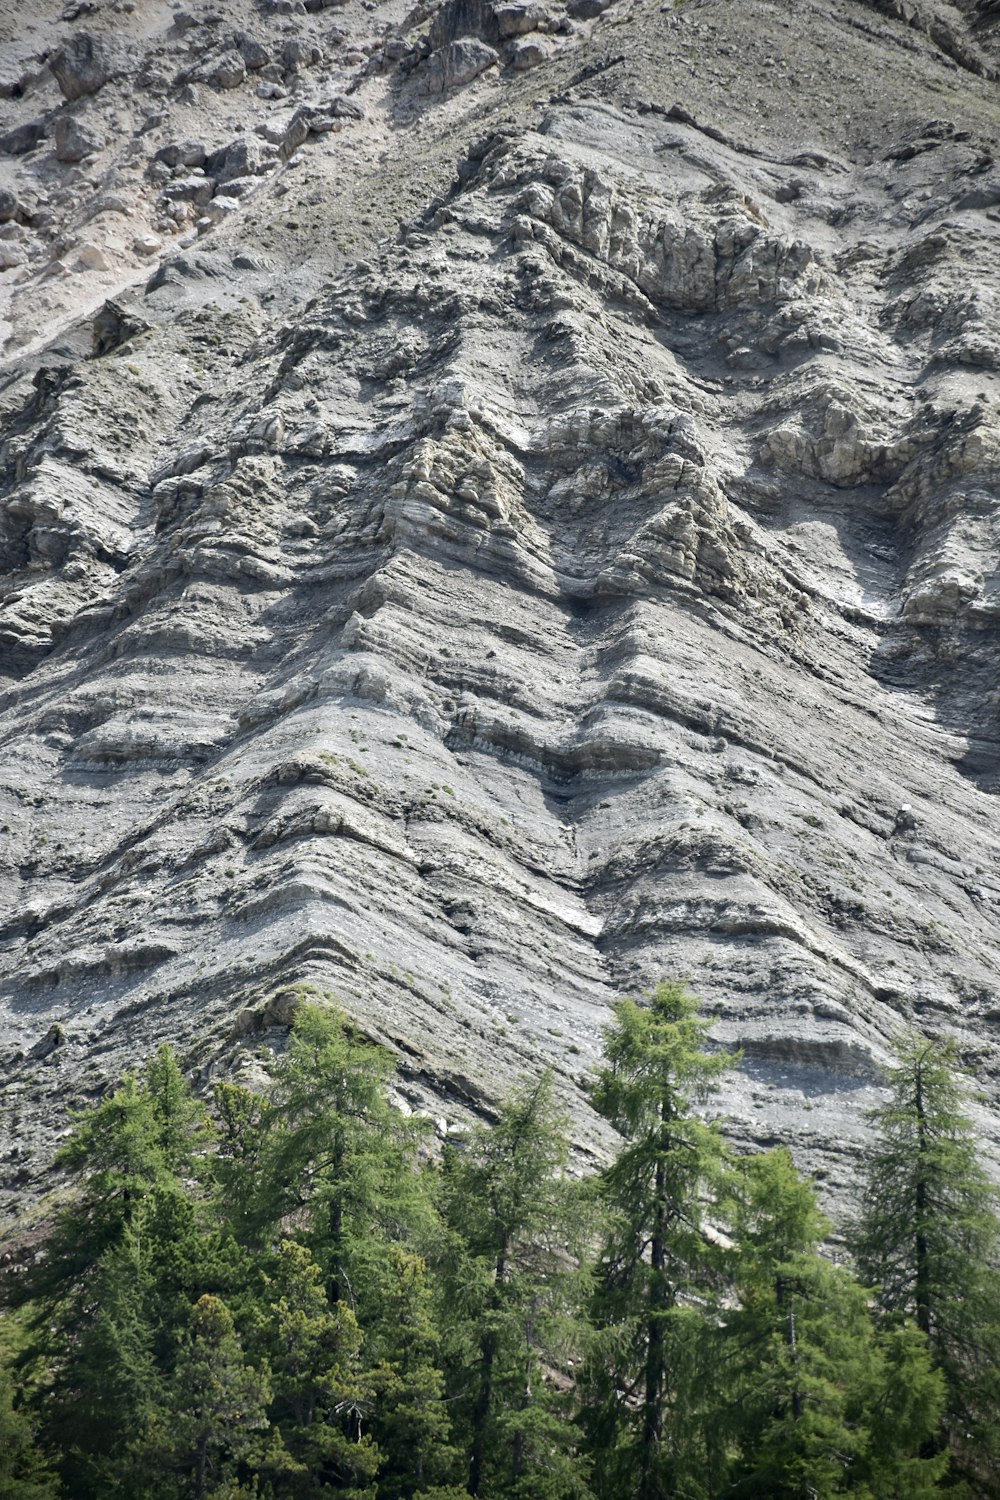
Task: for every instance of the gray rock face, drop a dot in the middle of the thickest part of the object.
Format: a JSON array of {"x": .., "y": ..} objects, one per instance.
[
  {"x": 544, "y": 539},
  {"x": 456, "y": 64},
  {"x": 73, "y": 140},
  {"x": 84, "y": 63}
]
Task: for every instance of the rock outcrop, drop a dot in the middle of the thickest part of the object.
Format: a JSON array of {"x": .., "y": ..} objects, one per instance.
[{"x": 531, "y": 531}]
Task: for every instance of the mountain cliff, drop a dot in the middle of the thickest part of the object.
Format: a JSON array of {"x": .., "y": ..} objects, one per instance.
[{"x": 498, "y": 505}]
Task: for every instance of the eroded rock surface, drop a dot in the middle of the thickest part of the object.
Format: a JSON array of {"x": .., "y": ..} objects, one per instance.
[{"x": 490, "y": 546}]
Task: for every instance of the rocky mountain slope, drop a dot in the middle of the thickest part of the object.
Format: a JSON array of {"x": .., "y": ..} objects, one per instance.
[{"x": 499, "y": 505}]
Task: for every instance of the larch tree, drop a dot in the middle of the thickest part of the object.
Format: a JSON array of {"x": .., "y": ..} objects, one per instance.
[
  {"x": 928, "y": 1238},
  {"x": 658, "y": 1276}
]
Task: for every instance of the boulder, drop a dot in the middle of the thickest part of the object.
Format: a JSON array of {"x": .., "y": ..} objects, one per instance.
[
  {"x": 113, "y": 325},
  {"x": 297, "y": 54},
  {"x": 226, "y": 71},
  {"x": 244, "y": 157},
  {"x": 12, "y": 210},
  {"x": 194, "y": 189},
  {"x": 23, "y": 138},
  {"x": 182, "y": 154},
  {"x": 456, "y": 65},
  {"x": 527, "y": 52},
  {"x": 74, "y": 140},
  {"x": 85, "y": 63},
  {"x": 252, "y": 50},
  {"x": 518, "y": 20},
  {"x": 464, "y": 18}
]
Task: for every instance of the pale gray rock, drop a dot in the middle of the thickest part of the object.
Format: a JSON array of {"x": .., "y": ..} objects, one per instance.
[
  {"x": 252, "y": 50},
  {"x": 189, "y": 153},
  {"x": 528, "y": 52},
  {"x": 243, "y": 157},
  {"x": 543, "y": 542},
  {"x": 74, "y": 140},
  {"x": 455, "y": 65}
]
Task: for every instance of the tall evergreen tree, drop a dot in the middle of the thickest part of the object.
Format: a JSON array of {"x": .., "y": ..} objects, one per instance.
[
  {"x": 928, "y": 1237},
  {"x": 513, "y": 1293},
  {"x": 658, "y": 1275},
  {"x": 216, "y": 1408},
  {"x": 815, "y": 1404},
  {"x": 322, "y": 1396},
  {"x": 412, "y": 1418},
  {"x": 24, "y": 1473},
  {"x": 339, "y": 1155}
]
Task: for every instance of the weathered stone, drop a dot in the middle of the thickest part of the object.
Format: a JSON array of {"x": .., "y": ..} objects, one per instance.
[
  {"x": 24, "y": 138},
  {"x": 455, "y": 65},
  {"x": 182, "y": 154},
  {"x": 517, "y": 20},
  {"x": 227, "y": 71},
  {"x": 528, "y": 52},
  {"x": 252, "y": 50},
  {"x": 587, "y": 10},
  {"x": 85, "y": 63},
  {"x": 12, "y": 210},
  {"x": 74, "y": 140},
  {"x": 246, "y": 156}
]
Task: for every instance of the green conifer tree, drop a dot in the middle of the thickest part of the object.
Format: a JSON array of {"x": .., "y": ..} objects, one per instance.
[
  {"x": 648, "y": 1411},
  {"x": 339, "y": 1154},
  {"x": 513, "y": 1298},
  {"x": 928, "y": 1237},
  {"x": 24, "y": 1473},
  {"x": 322, "y": 1397},
  {"x": 411, "y": 1419},
  {"x": 215, "y": 1414},
  {"x": 815, "y": 1403}
]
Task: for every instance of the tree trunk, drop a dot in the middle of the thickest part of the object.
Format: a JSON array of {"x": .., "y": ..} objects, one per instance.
[
  {"x": 922, "y": 1291},
  {"x": 650, "y": 1483},
  {"x": 484, "y": 1397},
  {"x": 481, "y": 1413}
]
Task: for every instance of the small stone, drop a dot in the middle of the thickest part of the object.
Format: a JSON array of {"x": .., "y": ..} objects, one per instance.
[
  {"x": 147, "y": 244},
  {"x": 12, "y": 256},
  {"x": 91, "y": 258}
]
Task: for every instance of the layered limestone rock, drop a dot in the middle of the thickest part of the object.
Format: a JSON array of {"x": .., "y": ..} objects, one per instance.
[{"x": 593, "y": 582}]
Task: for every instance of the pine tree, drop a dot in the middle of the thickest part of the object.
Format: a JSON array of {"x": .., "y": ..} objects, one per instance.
[
  {"x": 337, "y": 1152},
  {"x": 216, "y": 1409},
  {"x": 24, "y": 1474},
  {"x": 322, "y": 1397},
  {"x": 411, "y": 1421},
  {"x": 513, "y": 1297},
  {"x": 928, "y": 1238},
  {"x": 647, "y": 1415},
  {"x": 815, "y": 1404}
]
